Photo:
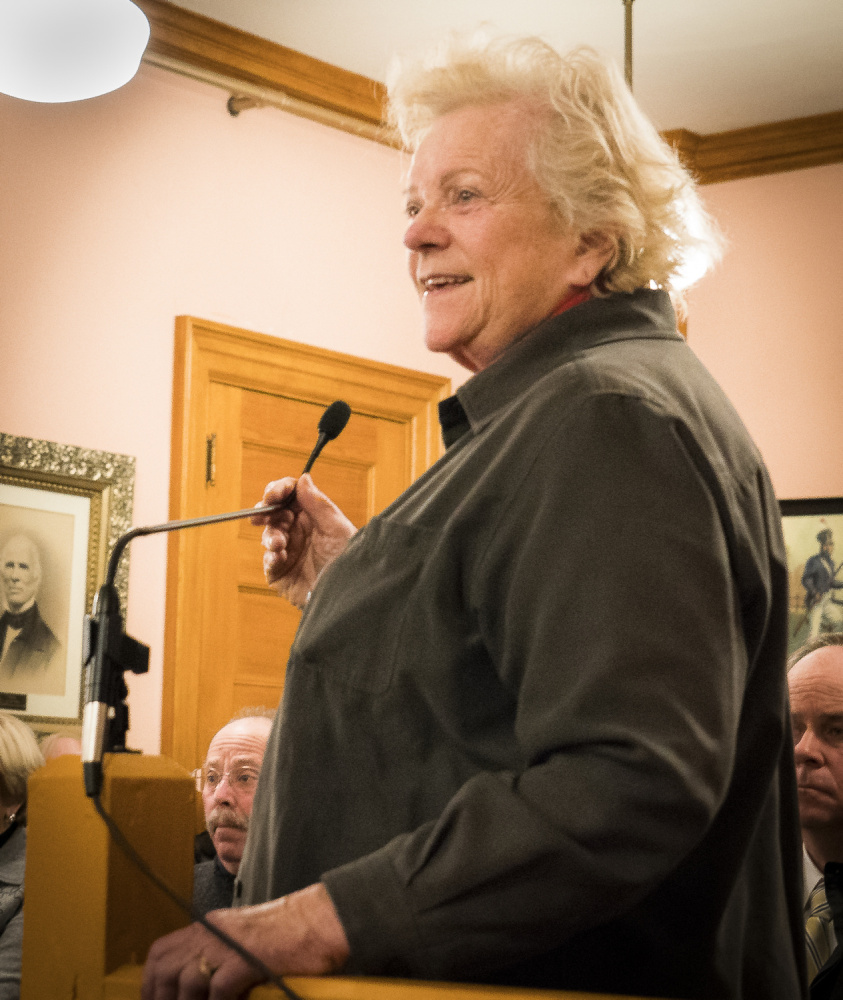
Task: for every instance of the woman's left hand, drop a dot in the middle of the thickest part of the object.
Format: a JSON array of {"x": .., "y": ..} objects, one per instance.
[{"x": 299, "y": 934}]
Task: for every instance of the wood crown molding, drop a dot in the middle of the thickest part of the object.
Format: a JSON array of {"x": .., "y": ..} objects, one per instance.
[
  {"x": 762, "y": 149},
  {"x": 270, "y": 73},
  {"x": 198, "y": 42}
]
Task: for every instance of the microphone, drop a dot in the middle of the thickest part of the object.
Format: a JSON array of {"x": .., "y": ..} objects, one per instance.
[
  {"x": 331, "y": 424},
  {"x": 108, "y": 652}
]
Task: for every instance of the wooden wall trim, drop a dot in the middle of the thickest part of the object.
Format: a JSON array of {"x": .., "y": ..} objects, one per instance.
[
  {"x": 762, "y": 149},
  {"x": 206, "y": 44},
  {"x": 273, "y": 74}
]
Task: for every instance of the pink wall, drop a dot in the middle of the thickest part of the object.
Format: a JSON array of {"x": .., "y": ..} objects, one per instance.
[
  {"x": 120, "y": 213},
  {"x": 768, "y": 322}
]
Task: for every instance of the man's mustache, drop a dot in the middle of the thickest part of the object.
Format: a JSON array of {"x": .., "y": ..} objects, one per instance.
[{"x": 224, "y": 816}]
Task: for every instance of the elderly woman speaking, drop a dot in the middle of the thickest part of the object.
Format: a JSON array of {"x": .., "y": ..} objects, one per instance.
[{"x": 533, "y": 730}]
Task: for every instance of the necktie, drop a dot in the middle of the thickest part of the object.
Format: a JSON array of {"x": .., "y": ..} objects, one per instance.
[{"x": 820, "y": 940}]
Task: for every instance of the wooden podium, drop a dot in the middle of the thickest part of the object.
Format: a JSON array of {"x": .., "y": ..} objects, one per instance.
[
  {"x": 88, "y": 909},
  {"x": 125, "y": 985}
]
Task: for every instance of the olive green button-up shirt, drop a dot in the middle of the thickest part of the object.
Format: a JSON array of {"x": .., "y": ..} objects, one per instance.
[{"x": 534, "y": 728}]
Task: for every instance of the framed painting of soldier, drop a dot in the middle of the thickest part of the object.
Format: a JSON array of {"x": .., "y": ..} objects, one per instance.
[
  {"x": 813, "y": 535},
  {"x": 61, "y": 508}
]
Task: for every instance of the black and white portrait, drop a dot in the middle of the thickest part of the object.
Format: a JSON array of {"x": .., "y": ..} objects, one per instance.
[
  {"x": 35, "y": 559},
  {"x": 61, "y": 508}
]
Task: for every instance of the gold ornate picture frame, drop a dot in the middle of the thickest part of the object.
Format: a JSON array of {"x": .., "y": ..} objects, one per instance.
[
  {"x": 61, "y": 510},
  {"x": 813, "y": 535}
]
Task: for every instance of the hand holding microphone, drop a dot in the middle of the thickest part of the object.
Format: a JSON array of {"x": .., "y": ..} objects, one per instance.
[
  {"x": 301, "y": 539},
  {"x": 306, "y": 531}
]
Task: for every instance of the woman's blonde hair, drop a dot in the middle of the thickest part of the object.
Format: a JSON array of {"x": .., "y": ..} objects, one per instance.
[
  {"x": 600, "y": 161},
  {"x": 20, "y": 755}
]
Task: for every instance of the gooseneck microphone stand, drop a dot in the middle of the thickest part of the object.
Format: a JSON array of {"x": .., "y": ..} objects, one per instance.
[{"x": 108, "y": 652}]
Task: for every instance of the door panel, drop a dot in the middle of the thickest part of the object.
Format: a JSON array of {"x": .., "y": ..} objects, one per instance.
[{"x": 227, "y": 634}]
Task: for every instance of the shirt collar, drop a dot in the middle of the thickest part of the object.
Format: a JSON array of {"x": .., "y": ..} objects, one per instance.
[
  {"x": 223, "y": 871},
  {"x": 643, "y": 314},
  {"x": 575, "y": 298},
  {"x": 810, "y": 875},
  {"x": 17, "y": 619}
]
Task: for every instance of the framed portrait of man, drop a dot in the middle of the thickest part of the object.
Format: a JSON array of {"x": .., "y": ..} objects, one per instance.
[
  {"x": 813, "y": 534},
  {"x": 37, "y": 562},
  {"x": 61, "y": 508}
]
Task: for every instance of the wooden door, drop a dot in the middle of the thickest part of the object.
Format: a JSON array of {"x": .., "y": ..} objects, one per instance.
[{"x": 245, "y": 411}]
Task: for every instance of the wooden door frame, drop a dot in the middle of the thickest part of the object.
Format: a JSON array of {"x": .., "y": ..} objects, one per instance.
[{"x": 207, "y": 352}]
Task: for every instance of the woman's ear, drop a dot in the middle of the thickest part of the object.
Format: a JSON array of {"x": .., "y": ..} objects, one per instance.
[{"x": 593, "y": 253}]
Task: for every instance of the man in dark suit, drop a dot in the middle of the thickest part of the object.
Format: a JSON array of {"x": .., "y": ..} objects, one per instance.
[
  {"x": 27, "y": 643},
  {"x": 815, "y": 681}
]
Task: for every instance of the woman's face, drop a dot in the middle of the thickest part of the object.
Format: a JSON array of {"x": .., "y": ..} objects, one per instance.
[{"x": 488, "y": 256}]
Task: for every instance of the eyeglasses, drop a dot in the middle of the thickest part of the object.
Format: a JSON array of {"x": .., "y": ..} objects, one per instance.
[{"x": 241, "y": 778}]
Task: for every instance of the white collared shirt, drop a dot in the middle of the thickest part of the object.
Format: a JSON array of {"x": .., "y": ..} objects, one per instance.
[{"x": 810, "y": 876}]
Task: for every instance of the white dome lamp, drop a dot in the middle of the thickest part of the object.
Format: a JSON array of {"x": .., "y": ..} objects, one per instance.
[{"x": 54, "y": 51}]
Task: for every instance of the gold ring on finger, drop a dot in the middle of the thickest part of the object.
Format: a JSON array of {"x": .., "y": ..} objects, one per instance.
[{"x": 206, "y": 968}]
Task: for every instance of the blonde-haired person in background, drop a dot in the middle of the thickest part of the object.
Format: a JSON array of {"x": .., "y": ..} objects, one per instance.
[
  {"x": 19, "y": 757},
  {"x": 534, "y": 726}
]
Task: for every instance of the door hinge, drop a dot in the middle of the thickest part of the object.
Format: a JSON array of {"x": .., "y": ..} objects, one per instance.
[{"x": 211, "y": 460}]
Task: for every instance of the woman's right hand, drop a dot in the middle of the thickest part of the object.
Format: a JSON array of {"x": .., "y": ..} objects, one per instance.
[{"x": 301, "y": 540}]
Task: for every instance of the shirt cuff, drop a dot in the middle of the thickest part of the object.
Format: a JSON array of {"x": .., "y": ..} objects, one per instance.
[{"x": 372, "y": 905}]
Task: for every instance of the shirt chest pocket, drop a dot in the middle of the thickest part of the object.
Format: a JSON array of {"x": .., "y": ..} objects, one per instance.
[{"x": 352, "y": 629}]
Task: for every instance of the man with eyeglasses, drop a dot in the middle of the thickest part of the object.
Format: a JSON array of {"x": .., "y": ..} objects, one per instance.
[{"x": 229, "y": 779}]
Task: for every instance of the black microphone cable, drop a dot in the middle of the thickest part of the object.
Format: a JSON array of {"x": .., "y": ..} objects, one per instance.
[
  {"x": 331, "y": 423},
  {"x": 122, "y": 842}
]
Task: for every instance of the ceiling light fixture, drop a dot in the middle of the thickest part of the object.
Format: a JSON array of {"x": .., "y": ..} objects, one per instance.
[
  {"x": 53, "y": 51},
  {"x": 627, "y": 41}
]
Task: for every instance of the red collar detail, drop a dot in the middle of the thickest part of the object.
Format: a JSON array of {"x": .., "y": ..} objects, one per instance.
[{"x": 574, "y": 298}]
